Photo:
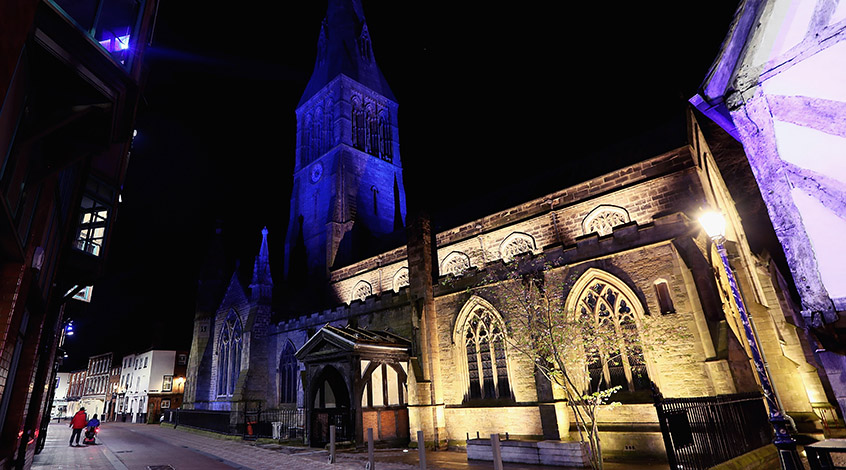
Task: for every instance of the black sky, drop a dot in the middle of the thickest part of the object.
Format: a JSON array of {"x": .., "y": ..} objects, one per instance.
[{"x": 497, "y": 105}]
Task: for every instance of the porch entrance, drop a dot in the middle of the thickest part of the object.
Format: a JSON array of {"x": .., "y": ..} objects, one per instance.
[{"x": 356, "y": 379}]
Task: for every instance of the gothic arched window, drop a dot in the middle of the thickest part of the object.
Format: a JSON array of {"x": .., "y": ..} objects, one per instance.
[
  {"x": 401, "y": 279},
  {"x": 361, "y": 291},
  {"x": 288, "y": 371},
  {"x": 229, "y": 355},
  {"x": 516, "y": 244},
  {"x": 603, "y": 218},
  {"x": 455, "y": 263},
  {"x": 482, "y": 336},
  {"x": 607, "y": 307}
]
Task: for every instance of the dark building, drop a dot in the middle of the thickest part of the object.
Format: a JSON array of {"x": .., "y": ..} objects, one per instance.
[{"x": 70, "y": 80}]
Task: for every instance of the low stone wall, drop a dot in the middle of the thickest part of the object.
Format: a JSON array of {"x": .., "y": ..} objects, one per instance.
[{"x": 560, "y": 453}]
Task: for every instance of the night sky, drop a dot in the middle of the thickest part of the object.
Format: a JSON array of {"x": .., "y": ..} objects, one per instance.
[{"x": 496, "y": 106}]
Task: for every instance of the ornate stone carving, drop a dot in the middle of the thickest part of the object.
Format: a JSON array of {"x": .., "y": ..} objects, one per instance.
[
  {"x": 362, "y": 290},
  {"x": 456, "y": 263},
  {"x": 604, "y": 218},
  {"x": 401, "y": 279},
  {"x": 516, "y": 244}
]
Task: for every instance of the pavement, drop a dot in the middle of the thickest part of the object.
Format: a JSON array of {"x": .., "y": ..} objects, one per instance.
[{"x": 126, "y": 446}]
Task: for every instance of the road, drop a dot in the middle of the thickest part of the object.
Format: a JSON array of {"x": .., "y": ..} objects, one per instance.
[
  {"x": 123, "y": 448},
  {"x": 126, "y": 446}
]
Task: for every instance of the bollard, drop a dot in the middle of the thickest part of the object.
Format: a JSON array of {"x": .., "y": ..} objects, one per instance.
[
  {"x": 371, "y": 462},
  {"x": 497, "y": 452},
  {"x": 332, "y": 443},
  {"x": 421, "y": 450}
]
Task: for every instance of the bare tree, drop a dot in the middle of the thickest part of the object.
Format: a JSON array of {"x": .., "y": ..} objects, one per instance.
[{"x": 589, "y": 350}]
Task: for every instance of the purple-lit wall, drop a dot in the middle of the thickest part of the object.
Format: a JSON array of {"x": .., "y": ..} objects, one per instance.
[{"x": 778, "y": 87}]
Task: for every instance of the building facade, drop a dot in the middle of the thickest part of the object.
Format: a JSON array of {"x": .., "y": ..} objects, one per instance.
[
  {"x": 125, "y": 383},
  {"x": 776, "y": 87},
  {"x": 70, "y": 81},
  {"x": 416, "y": 336},
  {"x": 156, "y": 382},
  {"x": 96, "y": 388},
  {"x": 76, "y": 388},
  {"x": 59, "y": 409}
]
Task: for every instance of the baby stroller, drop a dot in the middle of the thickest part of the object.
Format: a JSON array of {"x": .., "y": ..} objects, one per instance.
[{"x": 90, "y": 435}]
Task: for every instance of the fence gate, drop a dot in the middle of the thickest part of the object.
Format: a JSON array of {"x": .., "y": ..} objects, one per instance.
[{"x": 702, "y": 432}]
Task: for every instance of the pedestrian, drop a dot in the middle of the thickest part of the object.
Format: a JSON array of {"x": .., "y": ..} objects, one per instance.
[{"x": 78, "y": 423}]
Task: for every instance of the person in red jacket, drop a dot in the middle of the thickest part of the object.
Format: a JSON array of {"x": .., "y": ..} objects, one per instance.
[{"x": 78, "y": 423}]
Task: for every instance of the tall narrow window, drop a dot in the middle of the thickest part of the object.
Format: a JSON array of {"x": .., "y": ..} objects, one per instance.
[
  {"x": 484, "y": 348},
  {"x": 229, "y": 355},
  {"x": 665, "y": 302},
  {"x": 305, "y": 142},
  {"x": 385, "y": 137},
  {"x": 358, "y": 127},
  {"x": 372, "y": 132},
  {"x": 317, "y": 134},
  {"x": 288, "y": 371}
]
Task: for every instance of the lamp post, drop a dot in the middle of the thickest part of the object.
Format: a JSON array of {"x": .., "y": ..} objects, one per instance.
[{"x": 715, "y": 226}]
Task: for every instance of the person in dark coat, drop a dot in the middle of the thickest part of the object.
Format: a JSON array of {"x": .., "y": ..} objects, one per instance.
[{"x": 78, "y": 423}]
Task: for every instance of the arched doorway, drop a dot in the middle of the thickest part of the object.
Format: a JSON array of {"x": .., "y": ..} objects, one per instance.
[{"x": 329, "y": 400}]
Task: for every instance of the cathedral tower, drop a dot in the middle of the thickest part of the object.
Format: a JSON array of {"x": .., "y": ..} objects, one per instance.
[{"x": 348, "y": 196}]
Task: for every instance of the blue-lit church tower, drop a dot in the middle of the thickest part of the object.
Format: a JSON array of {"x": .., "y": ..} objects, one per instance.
[{"x": 347, "y": 199}]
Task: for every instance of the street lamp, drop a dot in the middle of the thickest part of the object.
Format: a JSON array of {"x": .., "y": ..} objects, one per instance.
[{"x": 715, "y": 226}]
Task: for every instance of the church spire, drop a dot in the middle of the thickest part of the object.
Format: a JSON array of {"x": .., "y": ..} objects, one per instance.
[
  {"x": 344, "y": 47},
  {"x": 262, "y": 283}
]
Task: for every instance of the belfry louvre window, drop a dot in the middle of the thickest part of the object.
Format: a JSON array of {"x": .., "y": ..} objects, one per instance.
[
  {"x": 487, "y": 365},
  {"x": 606, "y": 309},
  {"x": 229, "y": 355}
]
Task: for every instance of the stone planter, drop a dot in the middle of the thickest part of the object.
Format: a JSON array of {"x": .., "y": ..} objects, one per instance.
[{"x": 560, "y": 453}]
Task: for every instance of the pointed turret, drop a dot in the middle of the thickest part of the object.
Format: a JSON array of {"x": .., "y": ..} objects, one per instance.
[
  {"x": 344, "y": 47},
  {"x": 262, "y": 283}
]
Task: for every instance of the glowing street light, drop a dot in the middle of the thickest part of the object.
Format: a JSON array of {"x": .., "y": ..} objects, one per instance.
[{"x": 714, "y": 225}]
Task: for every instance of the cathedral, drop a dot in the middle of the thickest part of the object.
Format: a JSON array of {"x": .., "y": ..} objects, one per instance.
[{"x": 385, "y": 324}]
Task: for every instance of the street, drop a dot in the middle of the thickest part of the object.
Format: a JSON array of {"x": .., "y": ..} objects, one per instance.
[{"x": 126, "y": 446}]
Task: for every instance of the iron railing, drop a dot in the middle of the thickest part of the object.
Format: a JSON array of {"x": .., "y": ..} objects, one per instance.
[
  {"x": 282, "y": 424},
  {"x": 216, "y": 421},
  {"x": 702, "y": 432}
]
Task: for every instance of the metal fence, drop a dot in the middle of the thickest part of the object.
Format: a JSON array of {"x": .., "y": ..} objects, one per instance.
[
  {"x": 282, "y": 424},
  {"x": 702, "y": 432},
  {"x": 217, "y": 421}
]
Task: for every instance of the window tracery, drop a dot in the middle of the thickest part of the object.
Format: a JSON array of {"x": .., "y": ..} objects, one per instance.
[
  {"x": 483, "y": 337},
  {"x": 610, "y": 312},
  {"x": 371, "y": 128},
  {"x": 361, "y": 291},
  {"x": 288, "y": 371},
  {"x": 401, "y": 279},
  {"x": 516, "y": 244},
  {"x": 602, "y": 219},
  {"x": 229, "y": 355},
  {"x": 456, "y": 263}
]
